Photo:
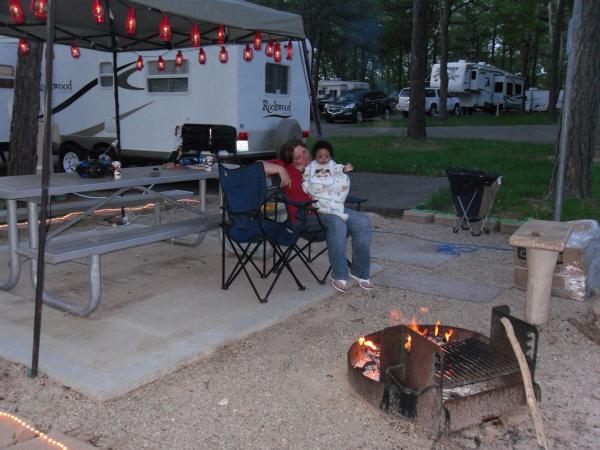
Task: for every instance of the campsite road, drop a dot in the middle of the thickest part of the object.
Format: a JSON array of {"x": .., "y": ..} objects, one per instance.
[{"x": 539, "y": 134}]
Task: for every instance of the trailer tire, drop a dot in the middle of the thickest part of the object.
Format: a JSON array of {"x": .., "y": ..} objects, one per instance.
[
  {"x": 456, "y": 110},
  {"x": 432, "y": 110},
  {"x": 69, "y": 157},
  {"x": 104, "y": 152},
  {"x": 286, "y": 130}
]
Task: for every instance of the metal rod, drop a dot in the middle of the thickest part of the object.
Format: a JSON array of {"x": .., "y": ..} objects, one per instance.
[
  {"x": 311, "y": 89},
  {"x": 113, "y": 37},
  {"x": 39, "y": 291}
]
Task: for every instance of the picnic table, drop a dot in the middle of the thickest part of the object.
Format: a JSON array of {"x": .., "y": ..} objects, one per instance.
[{"x": 90, "y": 245}]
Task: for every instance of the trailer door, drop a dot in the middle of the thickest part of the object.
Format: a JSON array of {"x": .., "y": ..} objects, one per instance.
[{"x": 7, "y": 86}]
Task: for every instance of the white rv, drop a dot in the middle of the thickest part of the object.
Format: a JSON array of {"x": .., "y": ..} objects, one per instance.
[
  {"x": 335, "y": 87},
  {"x": 247, "y": 108},
  {"x": 481, "y": 86},
  {"x": 537, "y": 100}
]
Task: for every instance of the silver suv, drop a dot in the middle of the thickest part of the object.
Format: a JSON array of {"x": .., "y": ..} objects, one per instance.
[{"x": 432, "y": 101}]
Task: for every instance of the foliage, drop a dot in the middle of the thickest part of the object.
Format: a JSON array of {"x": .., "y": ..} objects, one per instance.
[{"x": 477, "y": 119}]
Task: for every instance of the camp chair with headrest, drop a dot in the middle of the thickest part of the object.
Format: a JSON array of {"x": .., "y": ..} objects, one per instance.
[{"x": 246, "y": 227}]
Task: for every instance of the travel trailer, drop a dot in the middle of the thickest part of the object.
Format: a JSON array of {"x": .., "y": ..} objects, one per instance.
[
  {"x": 481, "y": 86},
  {"x": 335, "y": 87},
  {"x": 246, "y": 108},
  {"x": 537, "y": 100}
]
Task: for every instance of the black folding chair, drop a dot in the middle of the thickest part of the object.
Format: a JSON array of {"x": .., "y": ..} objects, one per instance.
[{"x": 246, "y": 227}]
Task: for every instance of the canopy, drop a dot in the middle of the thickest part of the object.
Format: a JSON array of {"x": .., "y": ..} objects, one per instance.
[{"x": 75, "y": 22}]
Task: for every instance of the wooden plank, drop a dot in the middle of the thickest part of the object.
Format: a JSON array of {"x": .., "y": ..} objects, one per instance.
[
  {"x": 87, "y": 244},
  {"x": 542, "y": 235}
]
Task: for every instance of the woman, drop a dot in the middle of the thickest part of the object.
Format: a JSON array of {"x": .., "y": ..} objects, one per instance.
[{"x": 294, "y": 158}]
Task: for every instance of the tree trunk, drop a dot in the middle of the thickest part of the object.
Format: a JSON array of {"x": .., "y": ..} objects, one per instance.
[
  {"x": 556, "y": 47},
  {"x": 534, "y": 60},
  {"x": 525, "y": 66},
  {"x": 22, "y": 158},
  {"x": 444, "y": 18},
  {"x": 418, "y": 67},
  {"x": 493, "y": 54},
  {"x": 583, "y": 128}
]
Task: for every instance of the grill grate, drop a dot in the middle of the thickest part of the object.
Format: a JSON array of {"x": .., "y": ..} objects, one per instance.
[{"x": 471, "y": 361}]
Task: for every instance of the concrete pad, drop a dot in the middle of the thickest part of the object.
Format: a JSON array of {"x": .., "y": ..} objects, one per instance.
[
  {"x": 415, "y": 256},
  {"x": 162, "y": 308},
  {"x": 438, "y": 285}
]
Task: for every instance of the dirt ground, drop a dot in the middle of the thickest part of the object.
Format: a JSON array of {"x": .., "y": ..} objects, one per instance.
[{"x": 286, "y": 386}]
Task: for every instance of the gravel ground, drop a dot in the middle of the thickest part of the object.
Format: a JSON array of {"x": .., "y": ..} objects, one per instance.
[{"x": 286, "y": 387}]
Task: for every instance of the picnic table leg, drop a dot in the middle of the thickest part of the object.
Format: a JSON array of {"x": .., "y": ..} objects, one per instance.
[
  {"x": 13, "y": 244},
  {"x": 202, "y": 195},
  {"x": 540, "y": 269},
  {"x": 49, "y": 299}
]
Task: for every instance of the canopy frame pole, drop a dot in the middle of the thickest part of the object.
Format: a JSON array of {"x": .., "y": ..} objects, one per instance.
[
  {"x": 39, "y": 291},
  {"x": 113, "y": 38},
  {"x": 312, "y": 92}
]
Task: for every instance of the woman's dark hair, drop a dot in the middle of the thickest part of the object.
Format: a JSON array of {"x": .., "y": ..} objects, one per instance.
[
  {"x": 322, "y": 145},
  {"x": 286, "y": 152}
]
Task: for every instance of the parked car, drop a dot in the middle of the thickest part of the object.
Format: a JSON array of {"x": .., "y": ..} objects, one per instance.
[
  {"x": 432, "y": 101},
  {"x": 321, "y": 102},
  {"x": 357, "y": 105}
]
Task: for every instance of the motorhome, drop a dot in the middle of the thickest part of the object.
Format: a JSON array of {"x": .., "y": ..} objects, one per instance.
[
  {"x": 247, "y": 108},
  {"x": 481, "y": 86}
]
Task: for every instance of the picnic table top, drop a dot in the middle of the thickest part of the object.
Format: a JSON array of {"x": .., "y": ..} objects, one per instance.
[{"x": 542, "y": 235}]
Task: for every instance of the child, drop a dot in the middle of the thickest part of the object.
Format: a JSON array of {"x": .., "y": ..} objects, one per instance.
[{"x": 326, "y": 181}]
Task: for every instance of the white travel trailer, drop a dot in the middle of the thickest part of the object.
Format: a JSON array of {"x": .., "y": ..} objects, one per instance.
[
  {"x": 335, "y": 87},
  {"x": 537, "y": 100},
  {"x": 481, "y": 86},
  {"x": 247, "y": 108}
]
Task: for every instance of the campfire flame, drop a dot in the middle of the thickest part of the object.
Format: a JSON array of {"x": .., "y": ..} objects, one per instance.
[
  {"x": 437, "y": 328},
  {"x": 369, "y": 344},
  {"x": 408, "y": 344},
  {"x": 447, "y": 335}
]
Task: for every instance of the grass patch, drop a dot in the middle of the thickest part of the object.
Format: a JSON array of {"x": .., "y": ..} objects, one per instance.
[
  {"x": 477, "y": 119},
  {"x": 525, "y": 169}
]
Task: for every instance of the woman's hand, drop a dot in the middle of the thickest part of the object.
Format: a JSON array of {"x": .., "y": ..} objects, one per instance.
[{"x": 284, "y": 176}]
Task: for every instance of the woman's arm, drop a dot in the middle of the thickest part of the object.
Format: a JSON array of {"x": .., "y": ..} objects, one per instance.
[{"x": 276, "y": 169}]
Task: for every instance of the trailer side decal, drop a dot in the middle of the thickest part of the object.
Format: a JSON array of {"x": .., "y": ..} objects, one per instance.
[{"x": 99, "y": 127}]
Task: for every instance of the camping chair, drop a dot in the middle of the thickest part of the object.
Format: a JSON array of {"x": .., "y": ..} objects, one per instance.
[{"x": 246, "y": 227}]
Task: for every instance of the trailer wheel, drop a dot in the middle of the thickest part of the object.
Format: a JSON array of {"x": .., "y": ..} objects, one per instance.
[
  {"x": 70, "y": 155},
  {"x": 358, "y": 116},
  {"x": 433, "y": 109},
  {"x": 286, "y": 130},
  {"x": 456, "y": 110},
  {"x": 104, "y": 153}
]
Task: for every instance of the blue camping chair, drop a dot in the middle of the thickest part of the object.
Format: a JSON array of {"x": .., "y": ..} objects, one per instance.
[{"x": 246, "y": 227}]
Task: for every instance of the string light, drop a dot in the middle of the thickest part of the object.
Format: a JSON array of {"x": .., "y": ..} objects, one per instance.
[
  {"x": 164, "y": 29},
  {"x": 195, "y": 38},
  {"x": 201, "y": 56},
  {"x": 98, "y": 11},
  {"x": 269, "y": 49},
  {"x": 35, "y": 431},
  {"x": 247, "y": 53},
  {"x": 75, "y": 51},
  {"x": 39, "y": 8},
  {"x": 223, "y": 55},
  {"x": 179, "y": 59},
  {"x": 131, "y": 22},
  {"x": 257, "y": 41},
  {"x": 139, "y": 65},
  {"x": 161, "y": 64},
  {"x": 221, "y": 34},
  {"x": 289, "y": 50},
  {"x": 15, "y": 8},
  {"x": 24, "y": 47},
  {"x": 277, "y": 53}
]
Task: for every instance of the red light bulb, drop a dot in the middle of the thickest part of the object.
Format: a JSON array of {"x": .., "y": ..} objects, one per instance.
[
  {"x": 269, "y": 49},
  {"x": 75, "y": 52},
  {"x": 24, "y": 48},
  {"x": 164, "y": 29},
  {"x": 277, "y": 52},
  {"x": 15, "y": 8},
  {"x": 257, "y": 41},
  {"x": 139, "y": 65},
  {"x": 131, "y": 22},
  {"x": 98, "y": 11},
  {"x": 179, "y": 59},
  {"x": 248, "y": 55},
  {"x": 39, "y": 8},
  {"x": 161, "y": 64},
  {"x": 289, "y": 50},
  {"x": 221, "y": 34},
  {"x": 201, "y": 56},
  {"x": 195, "y": 38},
  {"x": 223, "y": 55}
]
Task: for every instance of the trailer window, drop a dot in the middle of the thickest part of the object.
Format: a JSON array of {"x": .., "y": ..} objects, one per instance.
[
  {"x": 7, "y": 77},
  {"x": 498, "y": 86},
  {"x": 106, "y": 74},
  {"x": 276, "y": 79},
  {"x": 473, "y": 74},
  {"x": 509, "y": 89},
  {"x": 518, "y": 89},
  {"x": 172, "y": 79}
]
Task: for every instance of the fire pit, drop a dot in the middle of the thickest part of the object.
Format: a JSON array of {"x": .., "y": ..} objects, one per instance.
[{"x": 444, "y": 378}]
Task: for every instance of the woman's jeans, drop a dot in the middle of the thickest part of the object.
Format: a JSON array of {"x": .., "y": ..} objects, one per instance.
[{"x": 359, "y": 228}]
